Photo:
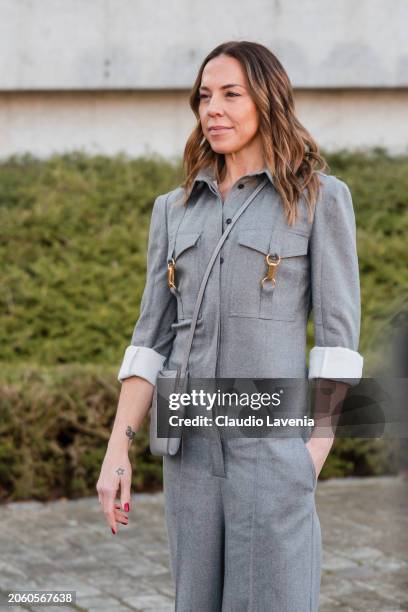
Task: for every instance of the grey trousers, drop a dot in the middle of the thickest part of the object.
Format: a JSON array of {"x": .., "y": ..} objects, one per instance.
[{"x": 242, "y": 525}]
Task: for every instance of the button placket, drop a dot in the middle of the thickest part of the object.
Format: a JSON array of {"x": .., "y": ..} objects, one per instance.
[{"x": 231, "y": 205}]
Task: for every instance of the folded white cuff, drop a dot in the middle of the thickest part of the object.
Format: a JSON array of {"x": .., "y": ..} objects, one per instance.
[
  {"x": 141, "y": 361},
  {"x": 337, "y": 363}
]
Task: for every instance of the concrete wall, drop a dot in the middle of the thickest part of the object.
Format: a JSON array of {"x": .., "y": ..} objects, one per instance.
[
  {"x": 137, "y": 44},
  {"x": 114, "y": 75},
  {"x": 139, "y": 123}
]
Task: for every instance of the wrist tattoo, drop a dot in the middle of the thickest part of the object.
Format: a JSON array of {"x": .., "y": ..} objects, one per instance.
[{"x": 130, "y": 434}]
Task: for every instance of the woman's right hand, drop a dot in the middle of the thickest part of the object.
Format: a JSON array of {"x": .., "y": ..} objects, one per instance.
[{"x": 116, "y": 472}]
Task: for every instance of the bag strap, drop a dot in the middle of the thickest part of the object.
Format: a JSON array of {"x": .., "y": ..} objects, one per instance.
[{"x": 181, "y": 373}]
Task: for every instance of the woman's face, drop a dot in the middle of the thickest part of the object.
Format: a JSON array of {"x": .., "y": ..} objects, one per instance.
[{"x": 225, "y": 101}]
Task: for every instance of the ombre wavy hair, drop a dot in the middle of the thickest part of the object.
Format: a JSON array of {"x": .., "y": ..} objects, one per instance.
[{"x": 290, "y": 152}]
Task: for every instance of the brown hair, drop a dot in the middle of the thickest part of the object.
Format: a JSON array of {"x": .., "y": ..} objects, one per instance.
[{"x": 290, "y": 152}]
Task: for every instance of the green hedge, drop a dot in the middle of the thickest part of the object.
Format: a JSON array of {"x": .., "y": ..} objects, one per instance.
[
  {"x": 55, "y": 425},
  {"x": 73, "y": 236},
  {"x": 73, "y": 248}
]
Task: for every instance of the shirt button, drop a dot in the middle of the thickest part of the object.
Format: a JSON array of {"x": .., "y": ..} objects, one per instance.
[
  {"x": 221, "y": 260},
  {"x": 241, "y": 186},
  {"x": 228, "y": 220}
]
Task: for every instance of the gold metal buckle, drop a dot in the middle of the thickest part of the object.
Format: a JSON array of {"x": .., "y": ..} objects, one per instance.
[
  {"x": 171, "y": 266},
  {"x": 272, "y": 267}
]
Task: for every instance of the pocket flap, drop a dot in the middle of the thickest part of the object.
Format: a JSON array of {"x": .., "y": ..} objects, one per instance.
[
  {"x": 185, "y": 240},
  {"x": 288, "y": 244},
  {"x": 255, "y": 239},
  {"x": 293, "y": 244}
]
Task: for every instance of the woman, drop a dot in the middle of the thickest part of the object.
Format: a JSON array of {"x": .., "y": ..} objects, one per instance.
[{"x": 241, "y": 518}]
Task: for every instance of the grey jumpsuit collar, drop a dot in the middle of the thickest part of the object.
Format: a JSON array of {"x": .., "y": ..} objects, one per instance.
[{"x": 206, "y": 175}]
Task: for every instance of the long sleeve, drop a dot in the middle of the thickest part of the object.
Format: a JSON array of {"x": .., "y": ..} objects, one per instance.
[
  {"x": 335, "y": 287},
  {"x": 152, "y": 337}
]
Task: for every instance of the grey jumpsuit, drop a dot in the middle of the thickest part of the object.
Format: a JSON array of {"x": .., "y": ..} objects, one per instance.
[{"x": 242, "y": 524}]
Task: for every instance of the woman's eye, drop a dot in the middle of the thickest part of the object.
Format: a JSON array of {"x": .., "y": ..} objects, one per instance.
[{"x": 229, "y": 93}]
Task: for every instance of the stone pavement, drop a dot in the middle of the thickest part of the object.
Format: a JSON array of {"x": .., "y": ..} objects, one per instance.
[{"x": 68, "y": 545}]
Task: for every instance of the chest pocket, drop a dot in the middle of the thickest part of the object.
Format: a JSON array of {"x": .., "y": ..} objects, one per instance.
[
  {"x": 185, "y": 251},
  {"x": 287, "y": 299}
]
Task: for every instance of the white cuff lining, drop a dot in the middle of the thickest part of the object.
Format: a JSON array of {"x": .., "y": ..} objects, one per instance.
[
  {"x": 336, "y": 363},
  {"x": 141, "y": 361}
]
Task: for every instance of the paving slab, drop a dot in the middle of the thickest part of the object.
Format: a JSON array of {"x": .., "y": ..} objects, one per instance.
[{"x": 66, "y": 544}]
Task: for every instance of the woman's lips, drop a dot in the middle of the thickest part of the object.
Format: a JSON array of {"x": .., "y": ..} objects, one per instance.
[{"x": 219, "y": 130}]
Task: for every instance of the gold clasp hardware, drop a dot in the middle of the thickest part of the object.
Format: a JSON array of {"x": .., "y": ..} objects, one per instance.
[
  {"x": 272, "y": 266},
  {"x": 171, "y": 265}
]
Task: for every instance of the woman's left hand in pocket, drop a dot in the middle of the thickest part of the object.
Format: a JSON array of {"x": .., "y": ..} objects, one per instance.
[{"x": 319, "y": 449}]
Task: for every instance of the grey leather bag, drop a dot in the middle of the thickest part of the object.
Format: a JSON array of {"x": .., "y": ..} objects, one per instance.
[{"x": 176, "y": 381}]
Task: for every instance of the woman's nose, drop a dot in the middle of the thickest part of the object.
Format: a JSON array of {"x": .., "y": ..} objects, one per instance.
[{"x": 214, "y": 108}]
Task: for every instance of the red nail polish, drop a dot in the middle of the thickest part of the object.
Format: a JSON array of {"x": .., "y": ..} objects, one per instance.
[
  {"x": 126, "y": 507},
  {"x": 113, "y": 531}
]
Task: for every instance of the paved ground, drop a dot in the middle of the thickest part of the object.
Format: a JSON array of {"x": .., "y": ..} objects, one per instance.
[{"x": 67, "y": 545}]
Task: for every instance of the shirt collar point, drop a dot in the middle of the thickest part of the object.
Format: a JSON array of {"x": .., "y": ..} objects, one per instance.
[{"x": 206, "y": 174}]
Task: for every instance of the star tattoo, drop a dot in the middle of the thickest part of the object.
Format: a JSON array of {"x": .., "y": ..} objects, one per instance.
[{"x": 120, "y": 471}]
